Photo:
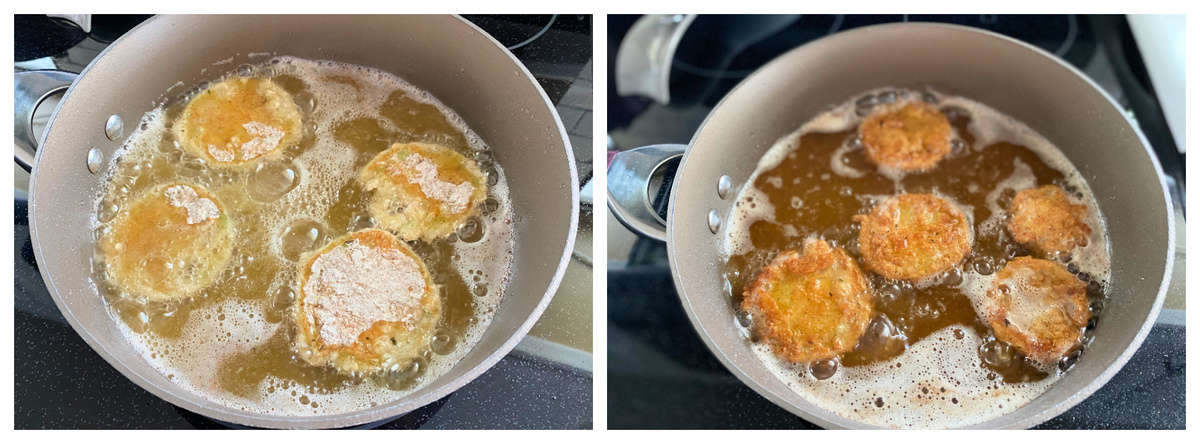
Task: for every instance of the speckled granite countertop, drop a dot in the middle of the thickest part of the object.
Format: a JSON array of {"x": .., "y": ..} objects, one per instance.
[
  {"x": 60, "y": 383},
  {"x": 657, "y": 366}
]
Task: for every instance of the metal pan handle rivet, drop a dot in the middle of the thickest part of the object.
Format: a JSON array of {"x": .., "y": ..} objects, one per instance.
[
  {"x": 723, "y": 186},
  {"x": 714, "y": 221},
  {"x": 95, "y": 160},
  {"x": 114, "y": 128}
]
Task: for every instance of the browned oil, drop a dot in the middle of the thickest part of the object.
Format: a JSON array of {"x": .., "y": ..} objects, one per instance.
[
  {"x": 830, "y": 201},
  {"x": 264, "y": 279}
]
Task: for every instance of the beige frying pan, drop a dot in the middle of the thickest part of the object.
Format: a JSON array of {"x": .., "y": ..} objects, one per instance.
[
  {"x": 1015, "y": 78},
  {"x": 445, "y": 55}
]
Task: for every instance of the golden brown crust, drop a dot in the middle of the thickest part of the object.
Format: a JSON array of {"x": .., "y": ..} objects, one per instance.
[
  {"x": 400, "y": 203},
  {"x": 152, "y": 252},
  {"x": 385, "y": 344},
  {"x": 913, "y": 236},
  {"x": 911, "y": 137},
  {"x": 811, "y": 306},
  {"x": 239, "y": 120},
  {"x": 1045, "y": 220},
  {"x": 1038, "y": 307}
]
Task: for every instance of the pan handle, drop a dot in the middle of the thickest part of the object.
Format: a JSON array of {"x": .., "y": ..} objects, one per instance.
[
  {"x": 31, "y": 88},
  {"x": 629, "y": 175}
]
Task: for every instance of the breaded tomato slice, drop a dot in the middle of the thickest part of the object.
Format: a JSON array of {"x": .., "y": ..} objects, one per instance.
[
  {"x": 909, "y": 136},
  {"x": 1046, "y": 220},
  {"x": 810, "y": 306},
  {"x": 366, "y": 304},
  {"x": 913, "y": 236},
  {"x": 1038, "y": 307}
]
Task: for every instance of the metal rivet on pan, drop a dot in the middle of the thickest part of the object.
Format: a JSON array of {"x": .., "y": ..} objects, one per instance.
[
  {"x": 114, "y": 128},
  {"x": 95, "y": 160},
  {"x": 714, "y": 221},
  {"x": 723, "y": 186}
]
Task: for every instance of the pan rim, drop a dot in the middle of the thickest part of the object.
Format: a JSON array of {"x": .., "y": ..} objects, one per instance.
[
  {"x": 175, "y": 394},
  {"x": 829, "y": 419}
]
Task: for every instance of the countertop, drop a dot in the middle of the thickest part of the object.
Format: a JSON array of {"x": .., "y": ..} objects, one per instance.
[{"x": 657, "y": 363}]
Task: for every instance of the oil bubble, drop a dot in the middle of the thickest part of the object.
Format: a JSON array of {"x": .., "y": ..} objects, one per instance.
[
  {"x": 270, "y": 181},
  {"x": 300, "y": 237},
  {"x": 471, "y": 230},
  {"x": 824, "y": 369},
  {"x": 306, "y": 101},
  {"x": 442, "y": 343}
]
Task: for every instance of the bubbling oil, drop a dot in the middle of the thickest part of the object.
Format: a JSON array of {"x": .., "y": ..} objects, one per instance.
[
  {"x": 927, "y": 359},
  {"x": 232, "y": 343}
]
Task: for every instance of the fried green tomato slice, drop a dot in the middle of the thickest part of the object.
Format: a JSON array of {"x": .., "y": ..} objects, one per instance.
[
  {"x": 810, "y": 306},
  {"x": 1046, "y": 220},
  {"x": 1037, "y": 306},
  {"x": 366, "y": 304},
  {"x": 910, "y": 136},
  {"x": 422, "y": 191},
  {"x": 239, "y": 120},
  {"x": 913, "y": 236},
  {"x": 168, "y": 244}
]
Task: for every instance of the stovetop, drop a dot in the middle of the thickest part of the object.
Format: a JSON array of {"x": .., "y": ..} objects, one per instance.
[
  {"x": 545, "y": 383},
  {"x": 660, "y": 375}
]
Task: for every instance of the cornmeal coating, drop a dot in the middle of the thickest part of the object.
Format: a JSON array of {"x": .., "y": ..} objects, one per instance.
[
  {"x": 239, "y": 120},
  {"x": 366, "y": 303},
  {"x": 423, "y": 191},
  {"x": 913, "y": 236},
  {"x": 810, "y": 306},
  {"x": 1045, "y": 219},
  {"x": 910, "y": 136},
  {"x": 1038, "y": 307},
  {"x": 168, "y": 244}
]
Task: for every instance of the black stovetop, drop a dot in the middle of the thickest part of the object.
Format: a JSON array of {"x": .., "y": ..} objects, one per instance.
[
  {"x": 660, "y": 375},
  {"x": 60, "y": 383}
]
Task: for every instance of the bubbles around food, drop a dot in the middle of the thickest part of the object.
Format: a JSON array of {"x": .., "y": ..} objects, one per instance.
[
  {"x": 239, "y": 120},
  {"x": 910, "y": 136},
  {"x": 928, "y": 357},
  {"x": 233, "y": 340},
  {"x": 423, "y": 191},
  {"x": 367, "y": 304},
  {"x": 1038, "y": 307},
  {"x": 913, "y": 236},
  {"x": 168, "y": 244},
  {"x": 1045, "y": 219},
  {"x": 810, "y": 306}
]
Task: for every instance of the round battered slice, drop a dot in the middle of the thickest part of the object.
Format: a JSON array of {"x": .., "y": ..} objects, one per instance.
[
  {"x": 171, "y": 242},
  {"x": 1038, "y": 307},
  {"x": 1045, "y": 220},
  {"x": 811, "y": 306},
  {"x": 366, "y": 304},
  {"x": 913, "y": 236},
  {"x": 910, "y": 136},
  {"x": 239, "y": 120},
  {"x": 423, "y": 191}
]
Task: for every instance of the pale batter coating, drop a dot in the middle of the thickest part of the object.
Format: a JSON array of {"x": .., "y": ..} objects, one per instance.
[
  {"x": 1038, "y": 307},
  {"x": 366, "y": 303},
  {"x": 168, "y": 244},
  {"x": 423, "y": 191},
  {"x": 239, "y": 120},
  {"x": 910, "y": 136},
  {"x": 913, "y": 236},
  {"x": 810, "y": 306},
  {"x": 1046, "y": 220}
]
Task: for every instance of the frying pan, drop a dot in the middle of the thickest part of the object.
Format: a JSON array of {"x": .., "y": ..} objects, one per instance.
[
  {"x": 449, "y": 57},
  {"x": 1015, "y": 78}
]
